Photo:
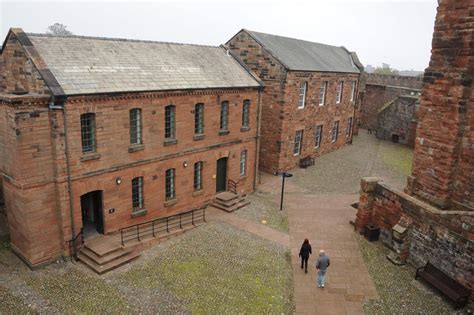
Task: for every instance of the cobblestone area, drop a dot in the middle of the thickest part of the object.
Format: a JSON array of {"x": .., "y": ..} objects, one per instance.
[{"x": 399, "y": 292}]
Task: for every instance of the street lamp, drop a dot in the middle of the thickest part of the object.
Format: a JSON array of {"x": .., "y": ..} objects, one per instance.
[{"x": 283, "y": 176}]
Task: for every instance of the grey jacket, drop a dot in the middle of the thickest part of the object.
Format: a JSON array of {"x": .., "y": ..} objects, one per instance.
[{"x": 322, "y": 263}]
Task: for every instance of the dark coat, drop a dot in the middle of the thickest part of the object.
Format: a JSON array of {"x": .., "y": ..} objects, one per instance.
[{"x": 305, "y": 250}]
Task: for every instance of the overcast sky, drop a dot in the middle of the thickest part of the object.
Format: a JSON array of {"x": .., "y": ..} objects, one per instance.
[{"x": 395, "y": 32}]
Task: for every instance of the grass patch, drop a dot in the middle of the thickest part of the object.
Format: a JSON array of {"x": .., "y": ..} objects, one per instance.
[
  {"x": 10, "y": 304},
  {"x": 4, "y": 242},
  {"x": 398, "y": 157},
  {"x": 398, "y": 291},
  {"x": 72, "y": 291},
  {"x": 217, "y": 269}
]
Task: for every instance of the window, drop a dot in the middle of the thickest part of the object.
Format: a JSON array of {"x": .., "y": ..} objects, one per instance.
[
  {"x": 169, "y": 184},
  {"x": 245, "y": 114},
  {"x": 335, "y": 131},
  {"x": 339, "y": 92},
  {"x": 224, "y": 116},
  {"x": 322, "y": 93},
  {"x": 298, "y": 142},
  {"x": 243, "y": 163},
  {"x": 170, "y": 122},
  {"x": 302, "y": 95},
  {"x": 199, "y": 119},
  {"x": 353, "y": 90},
  {"x": 137, "y": 194},
  {"x": 88, "y": 132},
  {"x": 349, "y": 127},
  {"x": 317, "y": 136},
  {"x": 136, "y": 126},
  {"x": 198, "y": 176}
]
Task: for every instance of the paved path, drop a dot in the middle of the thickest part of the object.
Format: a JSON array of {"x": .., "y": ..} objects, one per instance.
[{"x": 249, "y": 226}]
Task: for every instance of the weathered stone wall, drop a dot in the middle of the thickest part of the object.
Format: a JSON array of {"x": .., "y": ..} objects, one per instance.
[
  {"x": 443, "y": 165},
  {"x": 397, "y": 118},
  {"x": 445, "y": 238},
  {"x": 17, "y": 72},
  {"x": 415, "y": 83}
]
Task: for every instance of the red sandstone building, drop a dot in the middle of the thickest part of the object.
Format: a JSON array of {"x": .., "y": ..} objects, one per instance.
[
  {"x": 308, "y": 104},
  {"x": 106, "y": 133}
]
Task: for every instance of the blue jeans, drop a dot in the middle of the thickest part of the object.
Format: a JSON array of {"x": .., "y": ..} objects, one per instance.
[{"x": 321, "y": 277}]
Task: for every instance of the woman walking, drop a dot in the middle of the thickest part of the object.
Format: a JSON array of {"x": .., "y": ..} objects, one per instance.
[{"x": 305, "y": 251}]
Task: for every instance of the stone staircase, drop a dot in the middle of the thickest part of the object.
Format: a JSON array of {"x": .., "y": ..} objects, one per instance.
[
  {"x": 105, "y": 253},
  {"x": 229, "y": 201}
]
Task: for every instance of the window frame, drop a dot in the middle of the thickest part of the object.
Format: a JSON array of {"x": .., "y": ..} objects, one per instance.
[
  {"x": 243, "y": 162},
  {"x": 302, "y": 96},
  {"x": 318, "y": 134},
  {"x": 339, "y": 90},
  {"x": 246, "y": 114},
  {"x": 91, "y": 147},
  {"x": 198, "y": 166},
  {"x": 224, "y": 116},
  {"x": 323, "y": 88},
  {"x": 300, "y": 142},
  {"x": 199, "y": 119},
  {"x": 349, "y": 127},
  {"x": 170, "y": 187},
  {"x": 335, "y": 131},
  {"x": 136, "y": 135},
  {"x": 353, "y": 89},
  {"x": 138, "y": 199},
  {"x": 170, "y": 122}
]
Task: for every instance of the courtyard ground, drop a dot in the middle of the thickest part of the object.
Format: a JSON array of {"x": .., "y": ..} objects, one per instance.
[{"x": 247, "y": 261}]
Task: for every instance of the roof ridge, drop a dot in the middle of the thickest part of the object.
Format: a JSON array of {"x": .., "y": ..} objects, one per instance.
[
  {"x": 302, "y": 40},
  {"x": 119, "y": 39}
]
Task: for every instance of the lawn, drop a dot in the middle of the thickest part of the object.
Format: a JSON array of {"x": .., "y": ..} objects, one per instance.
[{"x": 397, "y": 157}]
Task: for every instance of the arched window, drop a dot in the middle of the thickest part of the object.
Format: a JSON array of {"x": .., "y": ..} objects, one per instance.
[
  {"x": 198, "y": 175},
  {"x": 88, "y": 132},
  {"x": 169, "y": 184},
  {"x": 245, "y": 114},
  {"x": 138, "y": 201}
]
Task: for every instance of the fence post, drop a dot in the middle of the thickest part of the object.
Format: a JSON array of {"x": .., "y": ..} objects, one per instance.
[
  {"x": 138, "y": 232},
  {"x": 167, "y": 228},
  {"x": 180, "y": 222},
  {"x": 121, "y": 236},
  {"x": 204, "y": 215},
  {"x": 153, "y": 227},
  {"x": 192, "y": 217}
]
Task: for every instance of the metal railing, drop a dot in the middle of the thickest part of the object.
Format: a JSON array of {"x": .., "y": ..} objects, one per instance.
[
  {"x": 161, "y": 226},
  {"x": 232, "y": 186},
  {"x": 76, "y": 244}
]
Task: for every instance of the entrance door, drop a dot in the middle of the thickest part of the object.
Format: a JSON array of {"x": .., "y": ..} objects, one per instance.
[
  {"x": 221, "y": 174},
  {"x": 92, "y": 216}
]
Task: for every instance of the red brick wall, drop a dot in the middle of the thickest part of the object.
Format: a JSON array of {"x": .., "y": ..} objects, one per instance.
[
  {"x": 445, "y": 131},
  {"x": 280, "y": 115},
  {"x": 17, "y": 72}
]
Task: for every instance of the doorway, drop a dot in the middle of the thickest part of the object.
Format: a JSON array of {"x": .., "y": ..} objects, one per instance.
[
  {"x": 395, "y": 138},
  {"x": 221, "y": 174},
  {"x": 92, "y": 215}
]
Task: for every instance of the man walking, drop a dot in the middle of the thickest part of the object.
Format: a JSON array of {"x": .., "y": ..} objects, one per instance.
[{"x": 322, "y": 265}]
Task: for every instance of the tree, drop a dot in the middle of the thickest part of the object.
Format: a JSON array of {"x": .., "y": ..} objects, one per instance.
[
  {"x": 385, "y": 69},
  {"x": 58, "y": 29}
]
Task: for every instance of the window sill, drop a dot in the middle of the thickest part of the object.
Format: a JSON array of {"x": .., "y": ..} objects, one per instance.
[
  {"x": 170, "y": 202},
  {"x": 90, "y": 157},
  {"x": 243, "y": 177},
  {"x": 135, "y": 148},
  {"x": 223, "y": 132},
  {"x": 199, "y": 137},
  {"x": 169, "y": 142},
  {"x": 244, "y": 129},
  {"x": 139, "y": 213},
  {"x": 198, "y": 193},
  {"x": 301, "y": 107}
]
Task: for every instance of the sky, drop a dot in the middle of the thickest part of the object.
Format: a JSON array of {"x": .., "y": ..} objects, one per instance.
[{"x": 380, "y": 31}]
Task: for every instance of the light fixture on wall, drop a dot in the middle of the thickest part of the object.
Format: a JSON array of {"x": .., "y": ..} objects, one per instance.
[
  {"x": 185, "y": 164},
  {"x": 118, "y": 180}
]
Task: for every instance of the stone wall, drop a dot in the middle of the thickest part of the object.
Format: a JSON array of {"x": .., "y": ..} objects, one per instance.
[
  {"x": 445, "y": 238},
  {"x": 415, "y": 83},
  {"x": 445, "y": 129},
  {"x": 397, "y": 119}
]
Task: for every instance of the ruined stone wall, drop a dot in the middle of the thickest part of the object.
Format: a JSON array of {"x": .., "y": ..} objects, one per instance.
[
  {"x": 445, "y": 238},
  {"x": 397, "y": 118},
  {"x": 415, "y": 83},
  {"x": 443, "y": 165}
]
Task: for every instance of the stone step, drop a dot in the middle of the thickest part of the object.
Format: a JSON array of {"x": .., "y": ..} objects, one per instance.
[
  {"x": 101, "y": 269},
  {"x": 234, "y": 207},
  {"x": 103, "y": 245},
  {"x": 226, "y": 196},
  {"x": 102, "y": 260},
  {"x": 228, "y": 203}
]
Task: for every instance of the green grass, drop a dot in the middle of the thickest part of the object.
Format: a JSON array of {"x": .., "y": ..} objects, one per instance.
[
  {"x": 398, "y": 157},
  {"x": 217, "y": 269},
  {"x": 10, "y": 304},
  {"x": 398, "y": 291},
  {"x": 4, "y": 242},
  {"x": 72, "y": 292}
]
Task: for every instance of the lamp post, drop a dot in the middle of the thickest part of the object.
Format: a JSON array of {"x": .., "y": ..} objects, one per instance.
[{"x": 283, "y": 176}]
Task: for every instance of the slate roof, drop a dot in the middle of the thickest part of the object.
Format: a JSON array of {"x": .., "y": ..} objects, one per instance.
[
  {"x": 297, "y": 54},
  {"x": 90, "y": 65}
]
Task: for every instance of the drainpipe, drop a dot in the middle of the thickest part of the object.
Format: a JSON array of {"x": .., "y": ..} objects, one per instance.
[
  {"x": 59, "y": 103},
  {"x": 257, "y": 142}
]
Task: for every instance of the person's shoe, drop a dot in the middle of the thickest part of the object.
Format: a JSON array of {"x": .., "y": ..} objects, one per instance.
[
  {"x": 319, "y": 286},
  {"x": 306, "y": 271},
  {"x": 322, "y": 285}
]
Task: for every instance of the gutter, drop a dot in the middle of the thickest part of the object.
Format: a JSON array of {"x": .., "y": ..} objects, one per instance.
[{"x": 257, "y": 142}]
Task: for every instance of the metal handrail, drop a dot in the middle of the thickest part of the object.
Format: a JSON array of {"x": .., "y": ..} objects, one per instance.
[
  {"x": 73, "y": 248},
  {"x": 232, "y": 186},
  {"x": 161, "y": 225}
]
